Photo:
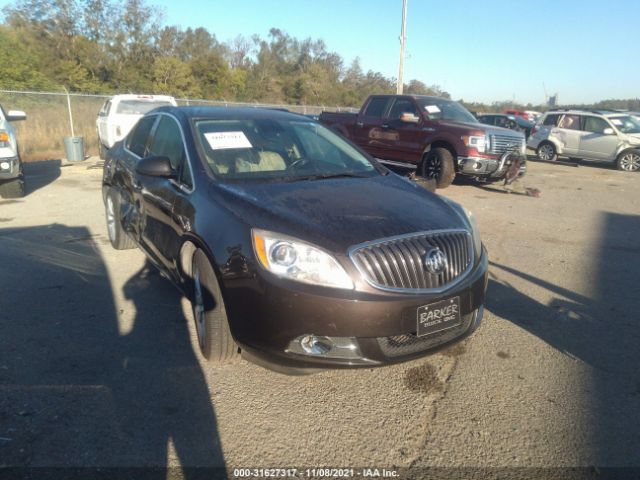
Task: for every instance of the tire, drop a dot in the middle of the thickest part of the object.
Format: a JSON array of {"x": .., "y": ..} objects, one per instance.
[
  {"x": 438, "y": 164},
  {"x": 119, "y": 239},
  {"x": 629, "y": 161},
  {"x": 210, "y": 315},
  {"x": 12, "y": 188},
  {"x": 546, "y": 152}
]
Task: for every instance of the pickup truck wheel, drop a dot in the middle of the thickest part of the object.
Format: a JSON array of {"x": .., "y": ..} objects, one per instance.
[
  {"x": 438, "y": 164},
  {"x": 547, "y": 152},
  {"x": 119, "y": 239},
  {"x": 210, "y": 315},
  {"x": 12, "y": 188},
  {"x": 629, "y": 161}
]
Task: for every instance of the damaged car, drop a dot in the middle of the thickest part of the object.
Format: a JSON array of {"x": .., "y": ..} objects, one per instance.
[{"x": 294, "y": 246}]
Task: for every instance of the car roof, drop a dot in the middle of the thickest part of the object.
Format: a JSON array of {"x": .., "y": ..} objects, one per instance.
[
  {"x": 231, "y": 113},
  {"x": 602, "y": 112}
]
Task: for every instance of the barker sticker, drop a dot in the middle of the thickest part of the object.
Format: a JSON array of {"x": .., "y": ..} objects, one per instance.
[{"x": 225, "y": 140}]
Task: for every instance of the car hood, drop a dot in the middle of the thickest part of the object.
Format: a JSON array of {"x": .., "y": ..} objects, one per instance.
[
  {"x": 339, "y": 213},
  {"x": 488, "y": 129}
]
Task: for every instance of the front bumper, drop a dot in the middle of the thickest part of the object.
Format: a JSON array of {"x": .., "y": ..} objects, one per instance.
[
  {"x": 487, "y": 168},
  {"x": 10, "y": 168},
  {"x": 265, "y": 318}
]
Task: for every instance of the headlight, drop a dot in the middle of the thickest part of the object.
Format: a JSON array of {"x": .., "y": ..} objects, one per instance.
[
  {"x": 296, "y": 260},
  {"x": 470, "y": 219},
  {"x": 479, "y": 142}
]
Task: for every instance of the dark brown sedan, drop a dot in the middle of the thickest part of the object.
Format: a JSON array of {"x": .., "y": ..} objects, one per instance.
[{"x": 292, "y": 244}]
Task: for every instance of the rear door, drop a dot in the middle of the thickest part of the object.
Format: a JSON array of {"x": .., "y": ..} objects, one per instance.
[
  {"x": 401, "y": 140},
  {"x": 594, "y": 143},
  {"x": 568, "y": 133},
  {"x": 368, "y": 128}
]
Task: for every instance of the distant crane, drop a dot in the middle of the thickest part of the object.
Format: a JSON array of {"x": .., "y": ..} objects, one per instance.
[{"x": 550, "y": 101}]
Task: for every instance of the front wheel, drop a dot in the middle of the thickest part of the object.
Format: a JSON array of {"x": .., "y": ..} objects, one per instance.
[
  {"x": 438, "y": 165},
  {"x": 629, "y": 161},
  {"x": 12, "y": 189},
  {"x": 210, "y": 315}
]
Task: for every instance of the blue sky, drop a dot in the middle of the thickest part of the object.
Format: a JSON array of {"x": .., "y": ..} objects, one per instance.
[{"x": 586, "y": 50}]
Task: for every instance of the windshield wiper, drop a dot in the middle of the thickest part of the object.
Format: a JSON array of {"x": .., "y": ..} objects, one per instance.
[{"x": 322, "y": 176}]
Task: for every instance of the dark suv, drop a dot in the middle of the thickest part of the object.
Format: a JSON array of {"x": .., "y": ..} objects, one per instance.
[{"x": 290, "y": 242}]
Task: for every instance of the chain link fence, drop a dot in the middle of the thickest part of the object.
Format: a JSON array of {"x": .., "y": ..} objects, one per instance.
[{"x": 49, "y": 120}]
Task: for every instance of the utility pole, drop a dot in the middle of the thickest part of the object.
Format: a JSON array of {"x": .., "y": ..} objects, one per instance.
[{"x": 403, "y": 39}]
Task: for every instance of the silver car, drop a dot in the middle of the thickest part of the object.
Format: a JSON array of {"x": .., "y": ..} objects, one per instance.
[{"x": 589, "y": 135}]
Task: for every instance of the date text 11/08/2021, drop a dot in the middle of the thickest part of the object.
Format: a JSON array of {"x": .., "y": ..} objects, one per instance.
[{"x": 314, "y": 473}]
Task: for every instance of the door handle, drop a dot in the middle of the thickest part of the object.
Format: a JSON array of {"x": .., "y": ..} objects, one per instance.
[
  {"x": 360, "y": 124},
  {"x": 385, "y": 125},
  {"x": 428, "y": 129}
]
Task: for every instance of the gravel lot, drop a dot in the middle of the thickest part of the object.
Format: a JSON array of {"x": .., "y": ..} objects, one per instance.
[{"x": 98, "y": 365}]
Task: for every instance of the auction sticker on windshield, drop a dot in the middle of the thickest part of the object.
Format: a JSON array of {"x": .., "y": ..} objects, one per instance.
[
  {"x": 225, "y": 140},
  {"x": 432, "y": 109},
  {"x": 438, "y": 316}
]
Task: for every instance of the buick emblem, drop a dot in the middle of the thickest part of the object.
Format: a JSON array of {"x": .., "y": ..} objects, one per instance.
[{"x": 435, "y": 261}]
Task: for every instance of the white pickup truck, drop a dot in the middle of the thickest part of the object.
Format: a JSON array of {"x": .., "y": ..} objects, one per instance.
[
  {"x": 120, "y": 113},
  {"x": 11, "y": 176}
]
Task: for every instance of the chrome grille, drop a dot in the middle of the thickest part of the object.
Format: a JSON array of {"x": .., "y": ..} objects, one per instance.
[
  {"x": 502, "y": 143},
  {"x": 401, "y": 345},
  {"x": 397, "y": 263}
]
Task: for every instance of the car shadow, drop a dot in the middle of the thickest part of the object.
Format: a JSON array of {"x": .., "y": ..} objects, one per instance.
[
  {"x": 599, "y": 329},
  {"x": 115, "y": 391},
  {"x": 40, "y": 174}
]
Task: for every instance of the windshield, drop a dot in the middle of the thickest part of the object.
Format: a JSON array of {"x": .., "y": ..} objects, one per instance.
[
  {"x": 626, "y": 123},
  {"x": 139, "y": 107},
  {"x": 278, "y": 149},
  {"x": 441, "y": 109}
]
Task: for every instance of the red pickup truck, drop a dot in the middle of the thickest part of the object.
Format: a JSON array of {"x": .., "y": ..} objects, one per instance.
[{"x": 436, "y": 137}]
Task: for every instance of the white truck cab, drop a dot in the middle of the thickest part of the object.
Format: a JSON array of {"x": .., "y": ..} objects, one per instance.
[
  {"x": 11, "y": 176},
  {"x": 120, "y": 113}
]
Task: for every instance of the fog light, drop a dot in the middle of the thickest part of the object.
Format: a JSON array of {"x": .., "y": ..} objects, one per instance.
[
  {"x": 326, "y": 347},
  {"x": 5, "y": 165},
  {"x": 313, "y": 345},
  {"x": 477, "y": 165}
]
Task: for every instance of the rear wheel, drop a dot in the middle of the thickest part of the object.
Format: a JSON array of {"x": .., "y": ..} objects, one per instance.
[
  {"x": 12, "y": 188},
  {"x": 119, "y": 239},
  {"x": 629, "y": 161},
  {"x": 438, "y": 165},
  {"x": 210, "y": 315},
  {"x": 547, "y": 152}
]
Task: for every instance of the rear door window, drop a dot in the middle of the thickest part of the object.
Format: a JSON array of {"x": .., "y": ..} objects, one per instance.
[
  {"x": 570, "y": 122},
  {"x": 377, "y": 107},
  {"x": 139, "y": 136}
]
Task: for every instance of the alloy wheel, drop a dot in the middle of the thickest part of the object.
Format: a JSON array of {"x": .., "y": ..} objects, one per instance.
[
  {"x": 434, "y": 167},
  {"x": 630, "y": 162},
  {"x": 111, "y": 219},
  {"x": 198, "y": 308},
  {"x": 546, "y": 152}
]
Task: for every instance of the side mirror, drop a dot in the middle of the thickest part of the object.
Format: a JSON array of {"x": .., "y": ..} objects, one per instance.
[
  {"x": 409, "y": 118},
  {"x": 15, "y": 115},
  {"x": 155, "y": 167},
  {"x": 608, "y": 131}
]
